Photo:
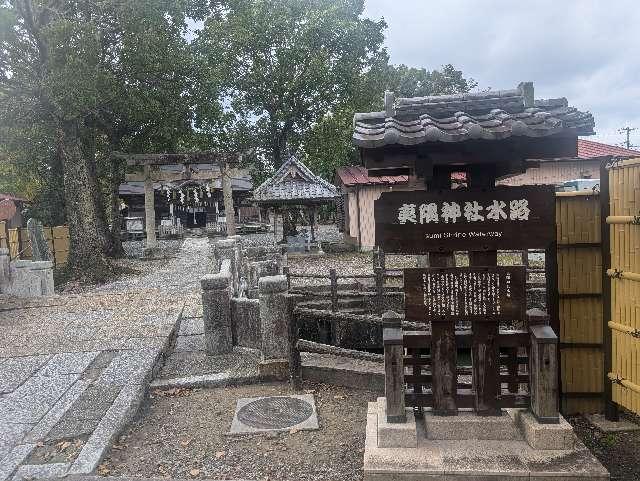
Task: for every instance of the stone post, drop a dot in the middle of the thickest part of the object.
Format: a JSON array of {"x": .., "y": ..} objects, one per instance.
[
  {"x": 149, "y": 211},
  {"x": 543, "y": 374},
  {"x": 274, "y": 327},
  {"x": 227, "y": 196},
  {"x": 4, "y": 268},
  {"x": 226, "y": 249},
  {"x": 393, "y": 367},
  {"x": 216, "y": 310},
  {"x": 39, "y": 247}
]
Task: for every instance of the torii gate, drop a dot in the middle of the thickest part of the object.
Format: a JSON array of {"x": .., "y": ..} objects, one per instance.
[{"x": 227, "y": 163}]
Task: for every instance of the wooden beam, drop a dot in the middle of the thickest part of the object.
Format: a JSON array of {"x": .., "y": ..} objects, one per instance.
[
  {"x": 173, "y": 176},
  {"x": 182, "y": 158}
]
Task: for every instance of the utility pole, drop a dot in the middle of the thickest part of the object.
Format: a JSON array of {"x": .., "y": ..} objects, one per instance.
[{"x": 628, "y": 131}]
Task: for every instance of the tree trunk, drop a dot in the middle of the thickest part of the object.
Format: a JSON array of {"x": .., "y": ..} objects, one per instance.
[
  {"x": 89, "y": 154},
  {"x": 116, "y": 177},
  {"x": 86, "y": 255}
]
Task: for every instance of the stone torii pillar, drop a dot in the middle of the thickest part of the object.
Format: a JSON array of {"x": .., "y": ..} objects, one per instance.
[
  {"x": 149, "y": 209},
  {"x": 227, "y": 195}
]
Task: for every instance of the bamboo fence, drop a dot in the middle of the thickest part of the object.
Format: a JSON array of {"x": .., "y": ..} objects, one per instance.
[
  {"x": 624, "y": 277},
  {"x": 578, "y": 240}
]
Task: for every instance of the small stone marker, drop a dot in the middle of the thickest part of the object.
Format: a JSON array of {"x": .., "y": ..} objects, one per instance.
[{"x": 39, "y": 246}]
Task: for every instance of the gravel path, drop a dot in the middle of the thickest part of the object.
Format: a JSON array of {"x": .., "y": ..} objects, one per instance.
[{"x": 74, "y": 367}]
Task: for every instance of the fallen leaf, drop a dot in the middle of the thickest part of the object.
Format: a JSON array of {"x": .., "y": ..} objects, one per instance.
[
  {"x": 194, "y": 472},
  {"x": 220, "y": 454},
  {"x": 63, "y": 445}
]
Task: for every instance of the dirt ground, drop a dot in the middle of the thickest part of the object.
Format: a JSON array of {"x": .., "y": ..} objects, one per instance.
[
  {"x": 618, "y": 452},
  {"x": 182, "y": 434}
]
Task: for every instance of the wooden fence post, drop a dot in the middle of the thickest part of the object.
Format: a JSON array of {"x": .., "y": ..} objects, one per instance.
[
  {"x": 394, "y": 367},
  {"x": 334, "y": 290},
  {"x": 285, "y": 271},
  {"x": 610, "y": 407},
  {"x": 543, "y": 369},
  {"x": 295, "y": 365},
  {"x": 379, "y": 272}
]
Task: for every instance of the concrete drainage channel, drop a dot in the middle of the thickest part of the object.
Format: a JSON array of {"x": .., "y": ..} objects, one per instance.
[{"x": 102, "y": 392}]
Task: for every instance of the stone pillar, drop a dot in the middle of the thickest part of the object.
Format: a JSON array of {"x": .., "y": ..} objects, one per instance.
[
  {"x": 274, "y": 327},
  {"x": 543, "y": 374},
  {"x": 44, "y": 270},
  {"x": 227, "y": 195},
  {"x": 226, "y": 249},
  {"x": 393, "y": 367},
  {"x": 39, "y": 247},
  {"x": 149, "y": 209},
  {"x": 216, "y": 311},
  {"x": 4, "y": 268}
]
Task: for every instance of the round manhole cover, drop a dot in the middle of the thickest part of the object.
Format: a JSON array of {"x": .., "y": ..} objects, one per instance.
[{"x": 275, "y": 412}]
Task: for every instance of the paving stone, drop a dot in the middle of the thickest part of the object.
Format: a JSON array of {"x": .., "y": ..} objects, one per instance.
[
  {"x": 94, "y": 402},
  {"x": 68, "y": 363},
  {"x": 31, "y": 401},
  {"x": 69, "y": 427},
  {"x": 41, "y": 471},
  {"x": 190, "y": 343},
  {"x": 15, "y": 371},
  {"x": 119, "y": 414},
  {"x": 131, "y": 367},
  {"x": 11, "y": 461},
  {"x": 40, "y": 431},
  {"x": 190, "y": 326},
  {"x": 11, "y": 435}
]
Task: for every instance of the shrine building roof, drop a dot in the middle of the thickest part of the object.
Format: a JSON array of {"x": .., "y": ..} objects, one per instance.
[
  {"x": 294, "y": 183},
  {"x": 491, "y": 115}
]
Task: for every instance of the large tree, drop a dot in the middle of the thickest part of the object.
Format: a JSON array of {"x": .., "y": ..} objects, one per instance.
[
  {"x": 286, "y": 63},
  {"x": 79, "y": 79}
]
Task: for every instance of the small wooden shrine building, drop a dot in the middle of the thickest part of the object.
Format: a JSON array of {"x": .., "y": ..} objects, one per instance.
[
  {"x": 195, "y": 199},
  {"x": 291, "y": 189}
]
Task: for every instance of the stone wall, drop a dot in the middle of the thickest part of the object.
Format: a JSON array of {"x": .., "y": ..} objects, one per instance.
[
  {"x": 23, "y": 278},
  {"x": 245, "y": 314}
]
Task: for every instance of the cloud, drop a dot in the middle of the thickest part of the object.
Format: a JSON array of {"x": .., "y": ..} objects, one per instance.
[{"x": 585, "y": 50}]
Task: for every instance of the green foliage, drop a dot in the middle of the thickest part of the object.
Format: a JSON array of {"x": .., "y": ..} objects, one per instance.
[
  {"x": 327, "y": 144},
  {"x": 286, "y": 63},
  {"x": 262, "y": 77}
]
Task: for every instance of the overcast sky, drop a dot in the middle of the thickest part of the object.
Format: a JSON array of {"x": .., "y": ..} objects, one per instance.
[{"x": 585, "y": 50}]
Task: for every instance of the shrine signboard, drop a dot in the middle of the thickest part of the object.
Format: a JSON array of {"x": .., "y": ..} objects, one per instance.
[
  {"x": 465, "y": 293},
  {"x": 466, "y": 219}
]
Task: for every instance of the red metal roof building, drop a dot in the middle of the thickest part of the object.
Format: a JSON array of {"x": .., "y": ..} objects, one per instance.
[
  {"x": 588, "y": 149},
  {"x": 360, "y": 190}
]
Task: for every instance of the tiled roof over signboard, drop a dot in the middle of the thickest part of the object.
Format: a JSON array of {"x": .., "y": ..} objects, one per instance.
[
  {"x": 358, "y": 175},
  {"x": 491, "y": 115},
  {"x": 294, "y": 183}
]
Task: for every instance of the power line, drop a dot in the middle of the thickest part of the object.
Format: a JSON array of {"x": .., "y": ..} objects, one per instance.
[{"x": 628, "y": 131}]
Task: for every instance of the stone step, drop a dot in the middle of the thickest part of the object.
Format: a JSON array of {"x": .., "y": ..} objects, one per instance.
[
  {"x": 467, "y": 425},
  {"x": 342, "y": 371}
]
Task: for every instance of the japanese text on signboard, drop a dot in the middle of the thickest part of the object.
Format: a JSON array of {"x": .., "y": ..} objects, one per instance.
[
  {"x": 465, "y": 219},
  {"x": 450, "y": 212},
  {"x": 465, "y": 293}
]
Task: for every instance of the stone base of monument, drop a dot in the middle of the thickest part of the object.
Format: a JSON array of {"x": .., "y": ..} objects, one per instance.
[
  {"x": 275, "y": 369},
  {"x": 468, "y": 447}
]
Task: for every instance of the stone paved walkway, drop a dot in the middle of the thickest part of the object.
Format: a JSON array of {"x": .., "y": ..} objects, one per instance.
[{"x": 74, "y": 368}]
